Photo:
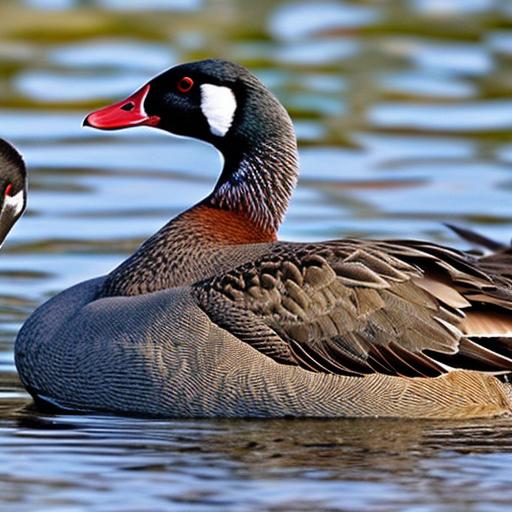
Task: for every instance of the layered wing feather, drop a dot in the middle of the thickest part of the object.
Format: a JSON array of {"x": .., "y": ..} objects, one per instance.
[{"x": 353, "y": 308}]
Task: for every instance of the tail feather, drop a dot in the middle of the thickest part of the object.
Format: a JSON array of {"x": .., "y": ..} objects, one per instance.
[{"x": 477, "y": 239}]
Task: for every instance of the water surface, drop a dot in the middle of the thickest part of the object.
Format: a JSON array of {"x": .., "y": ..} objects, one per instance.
[{"x": 403, "y": 111}]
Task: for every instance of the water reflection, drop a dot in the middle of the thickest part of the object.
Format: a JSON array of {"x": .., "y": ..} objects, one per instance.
[
  {"x": 374, "y": 464},
  {"x": 404, "y": 117}
]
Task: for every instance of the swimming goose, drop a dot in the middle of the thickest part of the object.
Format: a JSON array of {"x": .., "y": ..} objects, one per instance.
[
  {"x": 13, "y": 188},
  {"x": 212, "y": 316}
]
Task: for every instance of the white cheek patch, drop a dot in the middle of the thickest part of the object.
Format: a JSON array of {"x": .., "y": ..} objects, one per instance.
[
  {"x": 218, "y": 105},
  {"x": 15, "y": 202}
]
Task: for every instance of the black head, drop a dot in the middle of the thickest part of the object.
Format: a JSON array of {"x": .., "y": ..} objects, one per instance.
[
  {"x": 13, "y": 187},
  {"x": 213, "y": 100}
]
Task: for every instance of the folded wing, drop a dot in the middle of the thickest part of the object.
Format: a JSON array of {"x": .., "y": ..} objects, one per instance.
[{"x": 354, "y": 308}]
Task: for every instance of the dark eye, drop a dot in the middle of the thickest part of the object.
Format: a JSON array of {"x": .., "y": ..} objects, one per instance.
[
  {"x": 185, "y": 84},
  {"x": 8, "y": 190}
]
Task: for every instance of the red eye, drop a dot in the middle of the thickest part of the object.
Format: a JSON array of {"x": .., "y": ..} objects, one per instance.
[
  {"x": 185, "y": 84},
  {"x": 8, "y": 189}
]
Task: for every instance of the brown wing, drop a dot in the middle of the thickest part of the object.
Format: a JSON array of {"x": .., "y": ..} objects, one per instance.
[{"x": 351, "y": 307}]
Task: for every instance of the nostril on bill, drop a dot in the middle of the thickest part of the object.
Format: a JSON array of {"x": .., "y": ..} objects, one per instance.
[{"x": 128, "y": 106}]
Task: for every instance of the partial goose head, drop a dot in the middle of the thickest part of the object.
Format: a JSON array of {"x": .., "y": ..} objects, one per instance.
[
  {"x": 221, "y": 103},
  {"x": 13, "y": 188}
]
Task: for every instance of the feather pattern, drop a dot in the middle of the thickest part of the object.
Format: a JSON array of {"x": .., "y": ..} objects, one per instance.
[{"x": 349, "y": 307}]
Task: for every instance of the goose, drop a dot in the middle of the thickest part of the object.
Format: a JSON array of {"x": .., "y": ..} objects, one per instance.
[
  {"x": 212, "y": 316},
  {"x": 13, "y": 188}
]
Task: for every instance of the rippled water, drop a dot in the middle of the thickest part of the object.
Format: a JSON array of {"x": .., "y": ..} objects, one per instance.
[{"x": 404, "y": 115}]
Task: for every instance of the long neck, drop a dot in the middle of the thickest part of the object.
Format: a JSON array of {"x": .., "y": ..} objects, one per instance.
[
  {"x": 246, "y": 207},
  {"x": 258, "y": 182}
]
